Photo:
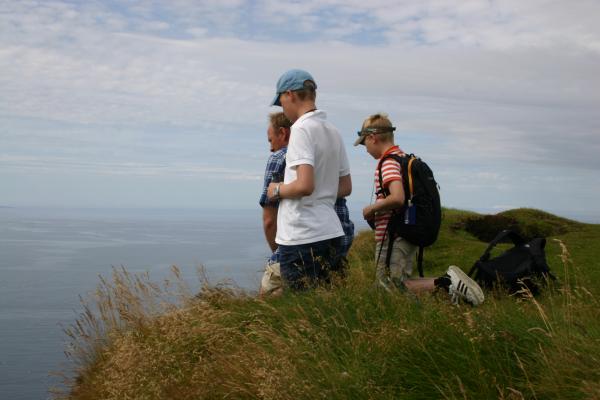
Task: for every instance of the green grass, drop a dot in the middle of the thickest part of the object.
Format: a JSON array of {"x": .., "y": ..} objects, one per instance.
[{"x": 351, "y": 342}]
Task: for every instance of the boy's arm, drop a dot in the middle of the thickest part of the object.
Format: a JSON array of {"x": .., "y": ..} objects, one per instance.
[
  {"x": 304, "y": 184},
  {"x": 393, "y": 201},
  {"x": 344, "y": 186},
  {"x": 345, "y": 181}
]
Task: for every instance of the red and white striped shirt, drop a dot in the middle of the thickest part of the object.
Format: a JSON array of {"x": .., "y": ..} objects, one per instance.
[{"x": 390, "y": 171}]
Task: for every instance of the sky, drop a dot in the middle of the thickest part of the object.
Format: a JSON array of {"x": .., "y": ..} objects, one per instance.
[{"x": 164, "y": 104}]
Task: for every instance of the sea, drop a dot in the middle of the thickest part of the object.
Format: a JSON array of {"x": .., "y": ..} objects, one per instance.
[{"x": 49, "y": 257}]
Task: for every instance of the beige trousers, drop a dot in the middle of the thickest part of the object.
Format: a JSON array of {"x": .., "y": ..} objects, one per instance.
[{"x": 401, "y": 262}]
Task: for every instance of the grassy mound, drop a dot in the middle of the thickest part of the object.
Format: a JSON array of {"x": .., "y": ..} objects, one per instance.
[
  {"x": 530, "y": 223},
  {"x": 143, "y": 341}
]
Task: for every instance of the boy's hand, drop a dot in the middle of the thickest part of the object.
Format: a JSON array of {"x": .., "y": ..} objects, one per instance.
[
  {"x": 271, "y": 191},
  {"x": 368, "y": 212}
]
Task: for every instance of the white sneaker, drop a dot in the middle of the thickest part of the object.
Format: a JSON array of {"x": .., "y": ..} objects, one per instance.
[{"x": 463, "y": 287}]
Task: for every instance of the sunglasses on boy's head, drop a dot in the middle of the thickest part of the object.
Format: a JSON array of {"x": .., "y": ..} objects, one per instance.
[{"x": 368, "y": 131}]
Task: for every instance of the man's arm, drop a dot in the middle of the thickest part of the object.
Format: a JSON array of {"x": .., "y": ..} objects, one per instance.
[
  {"x": 270, "y": 225},
  {"x": 344, "y": 186},
  {"x": 393, "y": 201},
  {"x": 304, "y": 184}
]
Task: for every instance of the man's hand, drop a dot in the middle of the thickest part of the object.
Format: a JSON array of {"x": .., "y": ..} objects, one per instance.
[{"x": 270, "y": 225}]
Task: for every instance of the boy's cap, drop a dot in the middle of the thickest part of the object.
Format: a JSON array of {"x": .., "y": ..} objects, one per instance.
[
  {"x": 368, "y": 131},
  {"x": 291, "y": 80}
]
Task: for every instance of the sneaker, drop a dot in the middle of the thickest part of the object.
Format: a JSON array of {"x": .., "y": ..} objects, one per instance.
[{"x": 463, "y": 287}]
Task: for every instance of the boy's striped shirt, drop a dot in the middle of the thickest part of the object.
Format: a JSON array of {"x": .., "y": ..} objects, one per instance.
[{"x": 391, "y": 171}]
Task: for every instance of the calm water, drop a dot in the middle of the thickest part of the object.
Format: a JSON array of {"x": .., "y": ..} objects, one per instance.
[{"x": 49, "y": 257}]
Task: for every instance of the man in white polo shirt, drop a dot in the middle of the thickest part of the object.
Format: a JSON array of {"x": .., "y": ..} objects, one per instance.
[{"x": 316, "y": 174}]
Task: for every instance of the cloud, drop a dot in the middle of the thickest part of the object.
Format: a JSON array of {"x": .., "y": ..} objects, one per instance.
[{"x": 181, "y": 86}]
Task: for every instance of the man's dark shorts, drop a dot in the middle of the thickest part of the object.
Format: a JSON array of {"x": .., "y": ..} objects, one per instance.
[{"x": 306, "y": 265}]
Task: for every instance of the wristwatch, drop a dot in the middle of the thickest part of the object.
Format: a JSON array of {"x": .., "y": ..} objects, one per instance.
[{"x": 276, "y": 192}]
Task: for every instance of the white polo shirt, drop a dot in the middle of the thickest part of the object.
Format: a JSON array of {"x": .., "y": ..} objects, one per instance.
[{"x": 310, "y": 219}]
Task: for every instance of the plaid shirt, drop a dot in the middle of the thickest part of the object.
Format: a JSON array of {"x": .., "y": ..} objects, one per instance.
[
  {"x": 342, "y": 211},
  {"x": 275, "y": 164}
]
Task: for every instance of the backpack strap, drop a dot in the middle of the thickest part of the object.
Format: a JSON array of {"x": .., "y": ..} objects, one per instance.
[
  {"x": 507, "y": 233},
  {"x": 401, "y": 160},
  {"x": 420, "y": 261},
  {"x": 381, "y": 189},
  {"x": 410, "y": 177},
  {"x": 388, "y": 255}
]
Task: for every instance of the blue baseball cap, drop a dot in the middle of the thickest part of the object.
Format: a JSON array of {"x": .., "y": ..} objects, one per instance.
[{"x": 291, "y": 80}]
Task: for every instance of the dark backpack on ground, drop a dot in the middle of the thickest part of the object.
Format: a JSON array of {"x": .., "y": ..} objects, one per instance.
[
  {"x": 523, "y": 265},
  {"x": 419, "y": 220}
]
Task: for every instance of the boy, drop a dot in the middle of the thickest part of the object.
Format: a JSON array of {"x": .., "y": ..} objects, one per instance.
[
  {"x": 316, "y": 174},
  {"x": 377, "y": 135},
  {"x": 278, "y": 136}
]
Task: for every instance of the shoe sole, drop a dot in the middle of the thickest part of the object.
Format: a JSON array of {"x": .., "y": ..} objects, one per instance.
[{"x": 470, "y": 283}]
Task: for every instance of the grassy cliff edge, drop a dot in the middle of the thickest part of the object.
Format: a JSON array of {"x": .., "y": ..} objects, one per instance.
[{"x": 139, "y": 340}]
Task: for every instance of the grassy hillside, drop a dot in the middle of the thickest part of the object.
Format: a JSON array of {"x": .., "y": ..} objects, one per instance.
[{"x": 141, "y": 341}]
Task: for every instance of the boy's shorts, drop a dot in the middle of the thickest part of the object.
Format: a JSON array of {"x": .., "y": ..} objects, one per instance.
[
  {"x": 401, "y": 261},
  {"x": 271, "y": 280},
  {"x": 305, "y": 265}
]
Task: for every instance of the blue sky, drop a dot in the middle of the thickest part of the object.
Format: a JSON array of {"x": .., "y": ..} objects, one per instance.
[{"x": 165, "y": 103}]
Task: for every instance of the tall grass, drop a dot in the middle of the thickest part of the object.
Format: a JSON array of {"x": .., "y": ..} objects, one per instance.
[{"x": 138, "y": 340}]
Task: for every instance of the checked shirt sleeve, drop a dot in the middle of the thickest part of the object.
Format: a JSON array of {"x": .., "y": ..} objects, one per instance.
[{"x": 275, "y": 164}]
